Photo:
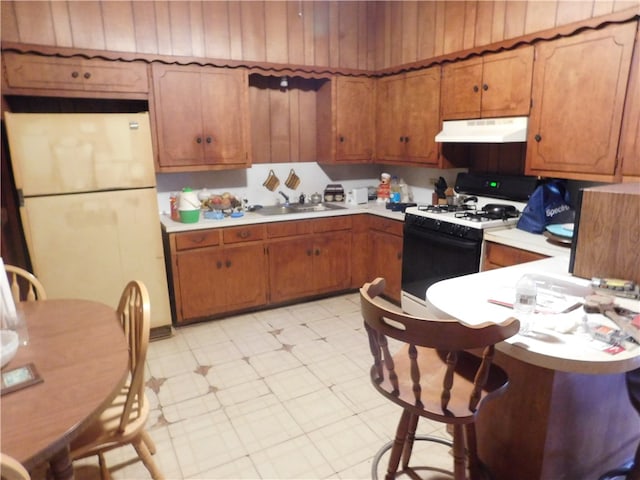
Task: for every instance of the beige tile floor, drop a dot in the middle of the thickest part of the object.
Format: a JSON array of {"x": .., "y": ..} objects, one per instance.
[{"x": 276, "y": 394}]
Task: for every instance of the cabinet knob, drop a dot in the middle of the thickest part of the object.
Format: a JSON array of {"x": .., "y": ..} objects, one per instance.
[
  {"x": 317, "y": 252},
  {"x": 399, "y": 255},
  {"x": 219, "y": 264},
  {"x": 406, "y": 139},
  {"x": 485, "y": 87},
  {"x": 244, "y": 234},
  {"x": 198, "y": 139},
  {"x": 401, "y": 139},
  {"x": 341, "y": 138},
  {"x": 537, "y": 137},
  {"x": 75, "y": 74},
  {"x": 309, "y": 253},
  {"x": 209, "y": 139},
  {"x": 475, "y": 88},
  {"x": 227, "y": 263},
  {"x": 87, "y": 75}
]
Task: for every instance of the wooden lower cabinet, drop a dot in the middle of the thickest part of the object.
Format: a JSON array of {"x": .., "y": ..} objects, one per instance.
[
  {"x": 310, "y": 264},
  {"x": 497, "y": 255},
  {"x": 215, "y": 280},
  {"x": 385, "y": 256}
]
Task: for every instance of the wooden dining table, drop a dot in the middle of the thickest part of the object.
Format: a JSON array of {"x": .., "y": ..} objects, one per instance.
[{"x": 79, "y": 351}]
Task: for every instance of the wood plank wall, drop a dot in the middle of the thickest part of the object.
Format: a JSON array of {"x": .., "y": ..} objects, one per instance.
[{"x": 365, "y": 35}]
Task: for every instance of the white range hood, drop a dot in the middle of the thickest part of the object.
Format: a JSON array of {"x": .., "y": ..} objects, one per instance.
[{"x": 484, "y": 130}]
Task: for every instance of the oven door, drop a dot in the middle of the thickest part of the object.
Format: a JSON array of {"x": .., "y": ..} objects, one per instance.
[{"x": 430, "y": 256}]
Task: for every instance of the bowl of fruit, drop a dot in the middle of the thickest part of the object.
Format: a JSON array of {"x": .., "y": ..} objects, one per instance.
[{"x": 221, "y": 206}]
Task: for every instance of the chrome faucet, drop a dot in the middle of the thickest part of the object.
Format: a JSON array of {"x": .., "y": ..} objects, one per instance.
[{"x": 286, "y": 198}]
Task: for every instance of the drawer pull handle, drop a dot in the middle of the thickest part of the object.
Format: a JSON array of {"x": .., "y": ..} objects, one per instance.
[
  {"x": 87, "y": 75},
  {"x": 198, "y": 139},
  {"x": 244, "y": 234},
  {"x": 75, "y": 74},
  {"x": 475, "y": 88}
]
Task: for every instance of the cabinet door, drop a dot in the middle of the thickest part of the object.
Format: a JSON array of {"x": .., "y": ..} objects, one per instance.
[
  {"x": 422, "y": 118},
  {"x": 245, "y": 277},
  {"x": 506, "y": 83},
  {"x": 579, "y": 86},
  {"x": 225, "y": 114},
  {"x": 461, "y": 87},
  {"x": 202, "y": 282},
  {"x": 629, "y": 151},
  {"x": 386, "y": 262},
  {"x": 290, "y": 269},
  {"x": 389, "y": 117},
  {"x": 54, "y": 73},
  {"x": 354, "y": 119},
  {"x": 178, "y": 113},
  {"x": 331, "y": 262}
]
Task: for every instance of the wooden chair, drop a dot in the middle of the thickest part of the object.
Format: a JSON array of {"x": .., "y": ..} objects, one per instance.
[
  {"x": 433, "y": 375},
  {"x": 24, "y": 285},
  {"x": 11, "y": 469},
  {"x": 123, "y": 421}
]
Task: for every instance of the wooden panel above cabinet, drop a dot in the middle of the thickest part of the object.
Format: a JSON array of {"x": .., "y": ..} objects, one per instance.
[
  {"x": 201, "y": 116},
  {"x": 283, "y": 119}
]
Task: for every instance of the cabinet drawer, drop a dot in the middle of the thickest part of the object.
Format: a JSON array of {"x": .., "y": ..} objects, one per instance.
[
  {"x": 332, "y": 224},
  {"x": 33, "y": 71},
  {"x": 247, "y": 233},
  {"x": 288, "y": 229},
  {"x": 198, "y": 239},
  {"x": 393, "y": 227}
]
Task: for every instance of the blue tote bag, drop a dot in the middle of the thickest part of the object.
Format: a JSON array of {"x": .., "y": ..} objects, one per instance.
[{"x": 549, "y": 203}]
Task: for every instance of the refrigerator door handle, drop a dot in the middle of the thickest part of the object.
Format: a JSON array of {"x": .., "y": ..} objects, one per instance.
[{"x": 20, "y": 198}]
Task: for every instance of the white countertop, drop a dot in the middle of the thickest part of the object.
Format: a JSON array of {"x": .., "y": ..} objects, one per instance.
[
  {"x": 532, "y": 242},
  {"x": 547, "y": 347},
  {"x": 252, "y": 218}
]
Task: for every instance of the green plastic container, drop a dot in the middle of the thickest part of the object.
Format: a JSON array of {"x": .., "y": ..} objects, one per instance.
[{"x": 189, "y": 216}]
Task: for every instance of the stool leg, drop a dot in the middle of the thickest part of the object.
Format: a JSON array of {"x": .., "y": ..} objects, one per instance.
[
  {"x": 472, "y": 452},
  {"x": 408, "y": 444},
  {"x": 459, "y": 470},
  {"x": 398, "y": 444}
]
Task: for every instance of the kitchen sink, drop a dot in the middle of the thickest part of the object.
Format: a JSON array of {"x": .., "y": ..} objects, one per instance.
[{"x": 297, "y": 208}]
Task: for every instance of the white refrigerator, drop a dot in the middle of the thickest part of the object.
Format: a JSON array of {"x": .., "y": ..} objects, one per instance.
[{"x": 88, "y": 205}]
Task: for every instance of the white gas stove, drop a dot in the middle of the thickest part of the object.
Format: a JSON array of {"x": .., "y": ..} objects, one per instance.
[
  {"x": 442, "y": 241},
  {"x": 480, "y": 213}
]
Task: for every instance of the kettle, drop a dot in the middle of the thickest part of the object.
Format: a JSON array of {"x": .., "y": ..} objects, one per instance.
[
  {"x": 188, "y": 200},
  {"x": 316, "y": 198}
]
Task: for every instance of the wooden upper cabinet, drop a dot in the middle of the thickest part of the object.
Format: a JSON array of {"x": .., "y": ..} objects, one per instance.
[
  {"x": 494, "y": 85},
  {"x": 346, "y": 120},
  {"x": 629, "y": 149},
  {"x": 579, "y": 87},
  {"x": 202, "y": 117},
  {"x": 407, "y": 113},
  {"x": 25, "y": 71}
]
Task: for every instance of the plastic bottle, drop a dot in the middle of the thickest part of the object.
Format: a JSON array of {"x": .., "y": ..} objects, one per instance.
[
  {"x": 404, "y": 191},
  {"x": 525, "y": 302},
  {"x": 395, "y": 193},
  {"x": 173, "y": 204}
]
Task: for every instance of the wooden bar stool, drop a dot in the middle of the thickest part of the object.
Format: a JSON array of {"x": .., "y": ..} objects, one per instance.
[{"x": 434, "y": 375}]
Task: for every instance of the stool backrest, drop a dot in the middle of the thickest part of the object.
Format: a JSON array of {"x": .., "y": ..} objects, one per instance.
[{"x": 450, "y": 338}]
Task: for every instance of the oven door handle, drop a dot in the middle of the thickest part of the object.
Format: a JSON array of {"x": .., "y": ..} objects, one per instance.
[{"x": 438, "y": 238}]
